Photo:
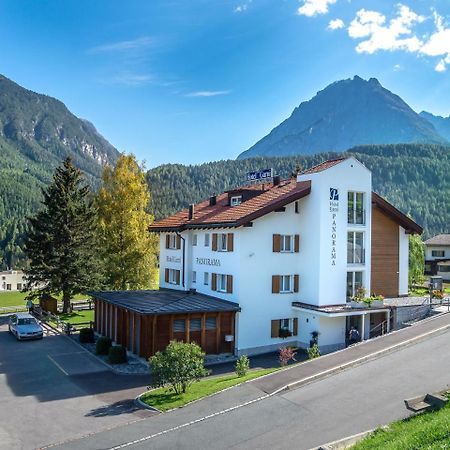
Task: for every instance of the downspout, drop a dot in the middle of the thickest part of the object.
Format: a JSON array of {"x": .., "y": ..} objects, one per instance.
[{"x": 182, "y": 259}]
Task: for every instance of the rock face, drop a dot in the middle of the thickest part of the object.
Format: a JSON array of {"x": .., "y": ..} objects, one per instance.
[
  {"x": 442, "y": 124},
  {"x": 345, "y": 114},
  {"x": 43, "y": 130}
]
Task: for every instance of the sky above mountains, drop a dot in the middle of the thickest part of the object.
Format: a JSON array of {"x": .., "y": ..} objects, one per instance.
[{"x": 199, "y": 80}]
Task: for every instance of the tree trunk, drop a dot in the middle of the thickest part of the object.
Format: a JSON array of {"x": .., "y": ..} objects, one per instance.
[{"x": 66, "y": 302}]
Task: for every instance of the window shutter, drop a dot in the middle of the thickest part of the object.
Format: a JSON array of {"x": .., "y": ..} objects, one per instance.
[
  {"x": 177, "y": 276},
  {"x": 297, "y": 243},
  {"x": 295, "y": 327},
  {"x": 275, "y": 284},
  {"x": 229, "y": 284},
  {"x": 178, "y": 242},
  {"x": 214, "y": 242},
  {"x": 230, "y": 242},
  {"x": 296, "y": 283},
  {"x": 214, "y": 281},
  {"x": 166, "y": 275},
  {"x": 276, "y": 244},
  {"x": 167, "y": 240},
  {"x": 275, "y": 328}
]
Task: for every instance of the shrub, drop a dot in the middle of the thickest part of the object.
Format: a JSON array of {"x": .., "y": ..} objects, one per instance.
[
  {"x": 102, "y": 345},
  {"x": 178, "y": 366},
  {"x": 117, "y": 354},
  {"x": 313, "y": 352},
  {"x": 285, "y": 355},
  {"x": 87, "y": 335},
  {"x": 242, "y": 366}
]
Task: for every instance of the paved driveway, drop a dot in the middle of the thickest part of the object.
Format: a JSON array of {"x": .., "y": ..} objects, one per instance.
[{"x": 51, "y": 391}]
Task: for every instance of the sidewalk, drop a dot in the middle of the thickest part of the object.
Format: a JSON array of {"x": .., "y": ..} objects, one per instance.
[{"x": 334, "y": 362}]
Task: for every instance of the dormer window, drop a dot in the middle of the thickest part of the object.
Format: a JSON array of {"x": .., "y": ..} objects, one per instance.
[{"x": 236, "y": 200}]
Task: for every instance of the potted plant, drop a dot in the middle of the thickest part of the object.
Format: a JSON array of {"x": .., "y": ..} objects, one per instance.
[
  {"x": 314, "y": 338},
  {"x": 285, "y": 333}
]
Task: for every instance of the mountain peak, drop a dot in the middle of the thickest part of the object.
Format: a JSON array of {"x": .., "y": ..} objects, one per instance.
[{"x": 345, "y": 114}]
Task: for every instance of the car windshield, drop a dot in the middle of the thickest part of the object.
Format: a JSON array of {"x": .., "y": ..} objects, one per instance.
[{"x": 26, "y": 322}]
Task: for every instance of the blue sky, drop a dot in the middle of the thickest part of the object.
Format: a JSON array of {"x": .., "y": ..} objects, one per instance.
[{"x": 196, "y": 80}]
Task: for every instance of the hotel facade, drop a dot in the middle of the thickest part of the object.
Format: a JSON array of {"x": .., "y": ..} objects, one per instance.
[{"x": 273, "y": 264}]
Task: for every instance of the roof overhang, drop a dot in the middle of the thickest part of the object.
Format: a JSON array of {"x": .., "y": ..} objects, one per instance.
[{"x": 336, "y": 310}]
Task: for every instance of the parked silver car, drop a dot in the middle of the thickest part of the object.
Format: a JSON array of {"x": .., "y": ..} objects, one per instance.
[{"x": 25, "y": 326}]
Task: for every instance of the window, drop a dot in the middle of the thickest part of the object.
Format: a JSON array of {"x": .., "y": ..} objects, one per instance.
[
  {"x": 223, "y": 242},
  {"x": 194, "y": 276},
  {"x": 286, "y": 283},
  {"x": 194, "y": 240},
  {"x": 355, "y": 247},
  {"x": 172, "y": 241},
  {"x": 173, "y": 276},
  {"x": 8, "y": 287},
  {"x": 207, "y": 240},
  {"x": 206, "y": 278},
  {"x": 356, "y": 213},
  {"x": 285, "y": 324},
  {"x": 438, "y": 253},
  {"x": 221, "y": 283},
  {"x": 284, "y": 328},
  {"x": 19, "y": 286},
  {"x": 211, "y": 323},
  {"x": 443, "y": 268},
  {"x": 235, "y": 201},
  {"x": 195, "y": 325},
  {"x": 354, "y": 282},
  {"x": 297, "y": 207},
  {"x": 179, "y": 326},
  {"x": 286, "y": 244}
]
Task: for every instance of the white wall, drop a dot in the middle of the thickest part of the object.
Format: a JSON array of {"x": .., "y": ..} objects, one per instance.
[
  {"x": 12, "y": 278},
  {"x": 429, "y": 249},
  {"x": 403, "y": 262}
]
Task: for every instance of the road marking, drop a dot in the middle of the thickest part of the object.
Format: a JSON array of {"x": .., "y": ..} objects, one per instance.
[{"x": 57, "y": 365}]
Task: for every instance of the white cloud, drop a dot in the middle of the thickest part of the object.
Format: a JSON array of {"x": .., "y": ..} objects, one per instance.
[
  {"x": 336, "y": 24},
  {"x": 397, "y": 67},
  {"x": 311, "y": 8},
  {"x": 134, "y": 44},
  {"x": 438, "y": 44},
  {"x": 130, "y": 79},
  {"x": 242, "y": 7},
  {"x": 206, "y": 93},
  {"x": 380, "y": 35}
]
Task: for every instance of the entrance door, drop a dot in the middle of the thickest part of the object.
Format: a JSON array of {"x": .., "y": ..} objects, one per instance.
[{"x": 352, "y": 321}]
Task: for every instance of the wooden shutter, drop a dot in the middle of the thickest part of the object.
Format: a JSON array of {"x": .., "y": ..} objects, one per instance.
[
  {"x": 296, "y": 283},
  {"x": 230, "y": 242},
  {"x": 166, "y": 275},
  {"x": 229, "y": 284},
  {"x": 295, "y": 327},
  {"x": 177, "y": 276},
  {"x": 275, "y": 328},
  {"x": 167, "y": 240},
  {"x": 275, "y": 284},
  {"x": 214, "y": 281},
  {"x": 276, "y": 243},
  {"x": 214, "y": 242},
  {"x": 178, "y": 242},
  {"x": 296, "y": 243}
]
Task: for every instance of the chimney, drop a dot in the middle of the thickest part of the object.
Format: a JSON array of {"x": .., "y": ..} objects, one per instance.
[
  {"x": 191, "y": 211},
  {"x": 212, "y": 200},
  {"x": 276, "y": 180}
]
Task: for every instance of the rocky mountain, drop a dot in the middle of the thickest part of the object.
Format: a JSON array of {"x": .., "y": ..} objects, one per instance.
[
  {"x": 442, "y": 124},
  {"x": 36, "y": 133},
  {"x": 345, "y": 114}
]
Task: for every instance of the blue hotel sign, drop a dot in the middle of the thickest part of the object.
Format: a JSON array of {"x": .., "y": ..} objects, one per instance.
[{"x": 259, "y": 174}]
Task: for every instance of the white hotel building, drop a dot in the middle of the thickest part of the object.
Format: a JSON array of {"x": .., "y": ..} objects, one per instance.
[{"x": 289, "y": 255}]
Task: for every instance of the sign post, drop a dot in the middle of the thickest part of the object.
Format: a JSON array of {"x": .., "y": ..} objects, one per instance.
[{"x": 259, "y": 174}]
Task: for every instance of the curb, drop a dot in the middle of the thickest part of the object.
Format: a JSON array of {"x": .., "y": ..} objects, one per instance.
[
  {"x": 348, "y": 441},
  {"x": 144, "y": 405}
]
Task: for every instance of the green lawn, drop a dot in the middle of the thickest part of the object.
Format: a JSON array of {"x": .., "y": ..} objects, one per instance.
[
  {"x": 76, "y": 317},
  {"x": 428, "y": 431},
  {"x": 12, "y": 299},
  {"x": 163, "y": 399}
]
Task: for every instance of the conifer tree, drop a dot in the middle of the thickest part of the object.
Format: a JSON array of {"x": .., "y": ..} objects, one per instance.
[
  {"x": 61, "y": 243},
  {"x": 129, "y": 249}
]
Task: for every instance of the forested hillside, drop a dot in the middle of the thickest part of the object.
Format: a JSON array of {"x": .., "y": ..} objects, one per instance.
[{"x": 414, "y": 177}]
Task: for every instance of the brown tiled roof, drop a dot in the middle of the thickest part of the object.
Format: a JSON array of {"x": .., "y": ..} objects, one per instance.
[
  {"x": 440, "y": 239},
  {"x": 268, "y": 198},
  {"x": 323, "y": 166},
  {"x": 402, "y": 219}
]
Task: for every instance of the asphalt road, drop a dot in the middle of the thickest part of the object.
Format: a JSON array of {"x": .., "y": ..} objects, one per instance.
[
  {"x": 51, "y": 390},
  {"x": 346, "y": 403}
]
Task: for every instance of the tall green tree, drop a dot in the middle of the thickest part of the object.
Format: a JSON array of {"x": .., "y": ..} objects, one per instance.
[
  {"x": 416, "y": 260},
  {"x": 129, "y": 249},
  {"x": 61, "y": 243}
]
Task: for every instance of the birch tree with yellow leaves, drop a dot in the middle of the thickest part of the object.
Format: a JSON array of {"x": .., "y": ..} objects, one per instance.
[{"x": 129, "y": 249}]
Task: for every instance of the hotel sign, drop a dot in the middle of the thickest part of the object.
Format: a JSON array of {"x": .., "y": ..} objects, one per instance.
[
  {"x": 334, "y": 209},
  {"x": 174, "y": 259},
  {"x": 259, "y": 174},
  {"x": 208, "y": 261}
]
